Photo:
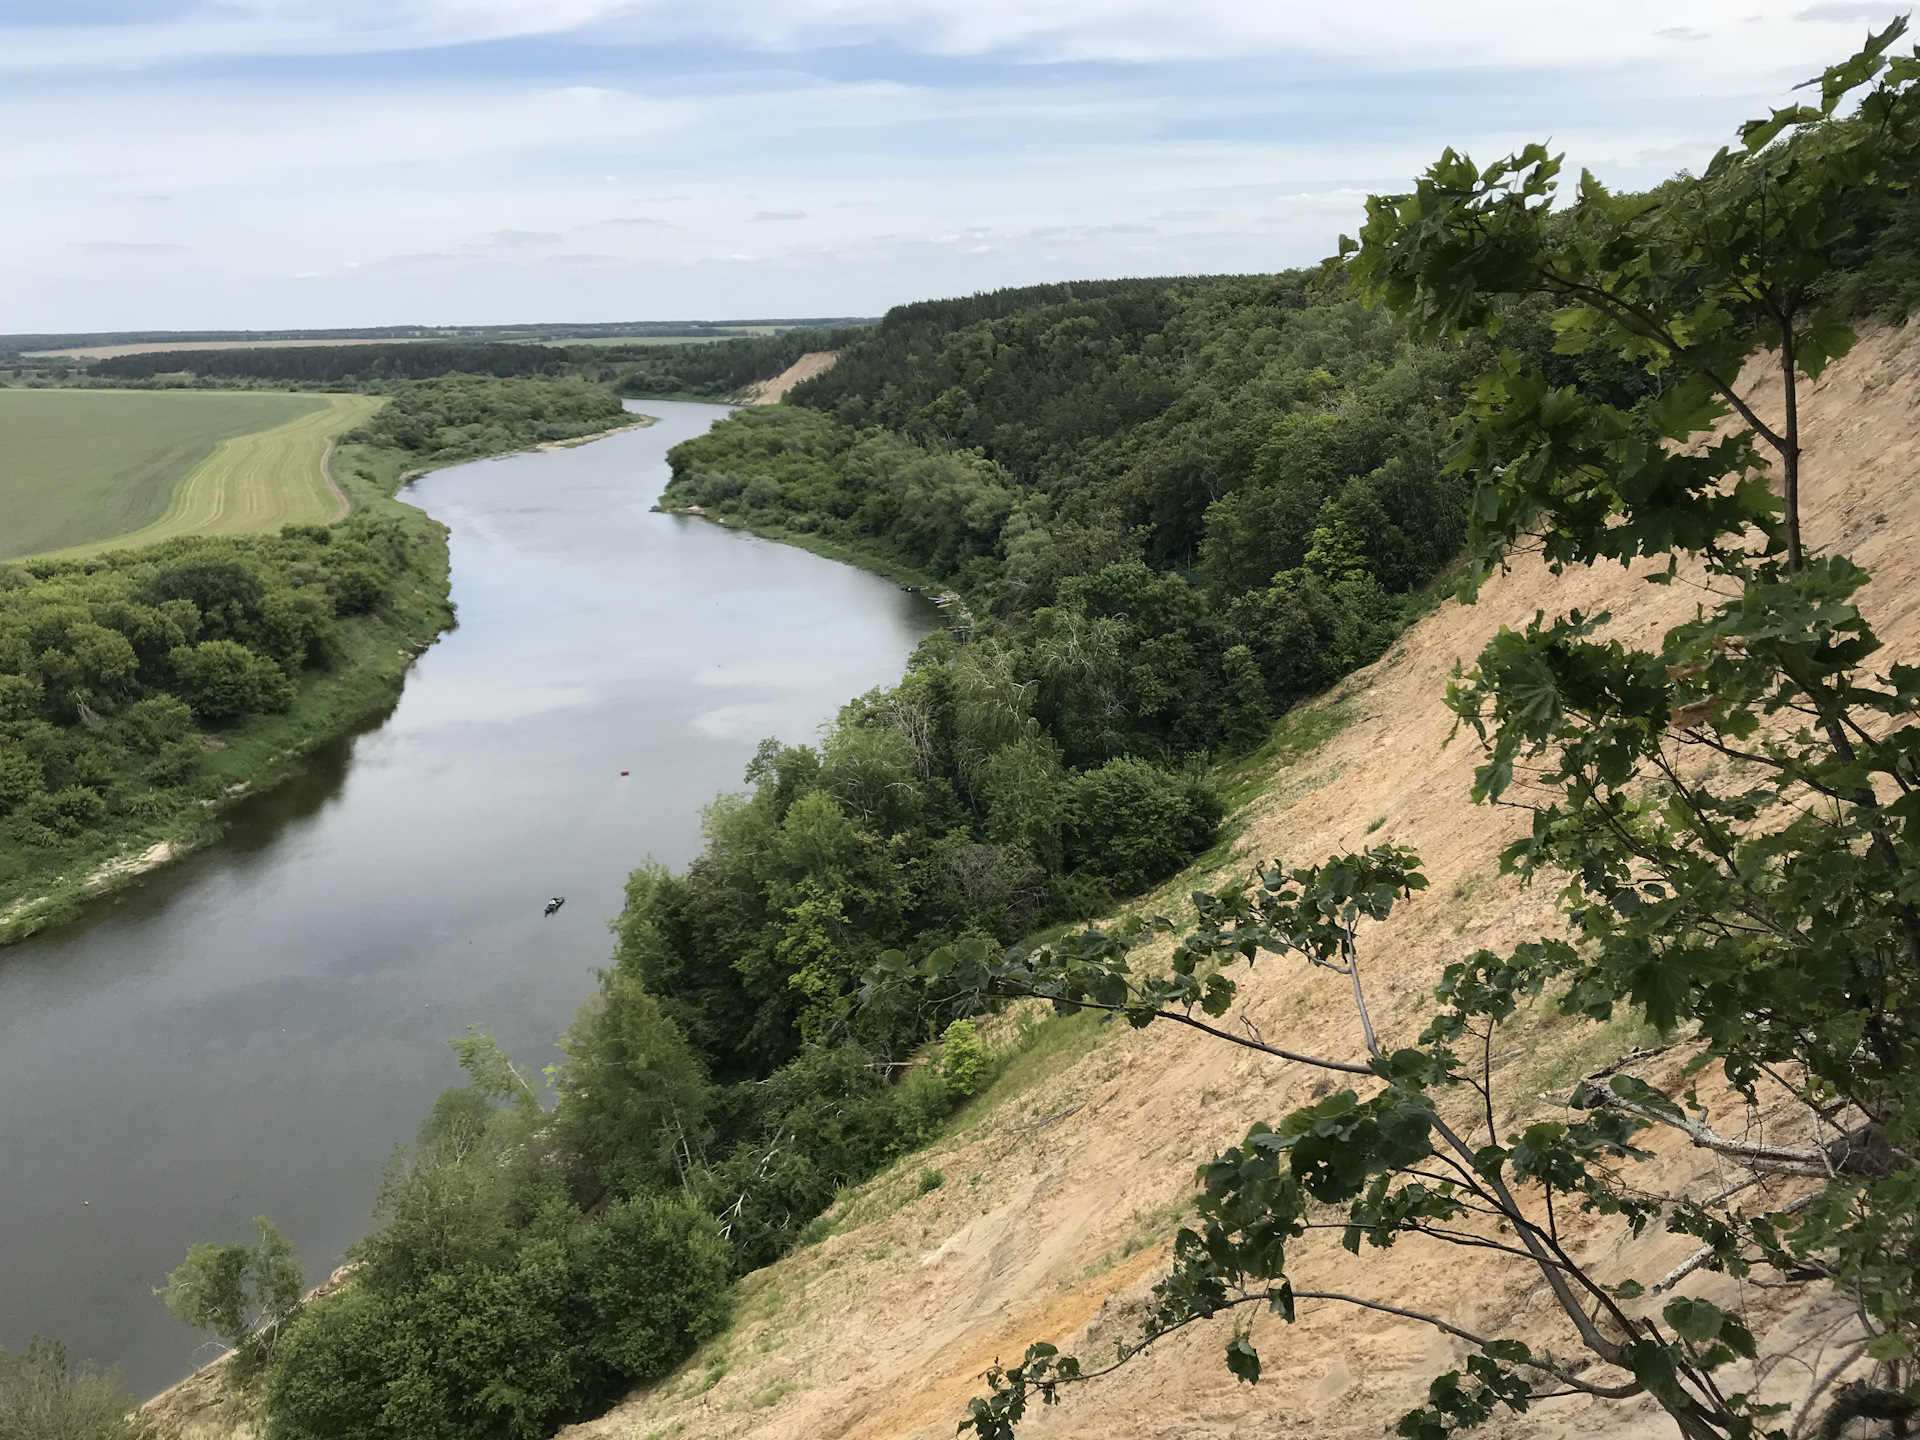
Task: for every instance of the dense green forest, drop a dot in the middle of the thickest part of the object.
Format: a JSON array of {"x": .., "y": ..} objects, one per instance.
[
  {"x": 705, "y": 371},
  {"x": 638, "y": 331},
  {"x": 1179, "y": 505},
  {"x": 460, "y": 417},
  {"x": 338, "y": 366},
  {"x": 118, "y": 674}
]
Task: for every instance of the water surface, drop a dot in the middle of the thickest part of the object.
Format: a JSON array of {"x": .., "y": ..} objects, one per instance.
[{"x": 255, "y": 1028}]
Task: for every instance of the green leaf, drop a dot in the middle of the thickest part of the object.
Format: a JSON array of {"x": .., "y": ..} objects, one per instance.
[
  {"x": 1638, "y": 1092},
  {"x": 1243, "y": 1360},
  {"x": 1889, "y": 1347},
  {"x": 1653, "y": 1367},
  {"x": 1696, "y": 1320}
]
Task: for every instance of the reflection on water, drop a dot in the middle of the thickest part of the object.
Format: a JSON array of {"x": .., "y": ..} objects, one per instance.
[{"x": 255, "y": 1028}]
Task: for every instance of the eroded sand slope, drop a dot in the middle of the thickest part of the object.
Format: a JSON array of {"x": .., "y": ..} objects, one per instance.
[
  {"x": 1052, "y": 1226},
  {"x": 771, "y": 392}
]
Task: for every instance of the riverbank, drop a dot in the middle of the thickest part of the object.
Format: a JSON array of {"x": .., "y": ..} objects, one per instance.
[
  {"x": 907, "y": 577},
  {"x": 41, "y": 887}
]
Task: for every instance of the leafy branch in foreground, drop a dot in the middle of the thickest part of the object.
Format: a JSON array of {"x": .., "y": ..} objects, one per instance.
[{"x": 1732, "y": 815}]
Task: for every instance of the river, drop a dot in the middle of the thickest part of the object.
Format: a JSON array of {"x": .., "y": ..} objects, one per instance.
[{"x": 255, "y": 1028}]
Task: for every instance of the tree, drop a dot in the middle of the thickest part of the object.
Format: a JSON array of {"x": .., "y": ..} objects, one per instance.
[
  {"x": 42, "y": 1399},
  {"x": 242, "y": 1293},
  {"x": 223, "y": 679},
  {"x": 1765, "y": 919}
]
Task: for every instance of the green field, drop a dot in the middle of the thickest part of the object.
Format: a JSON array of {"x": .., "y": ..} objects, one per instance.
[{"x": 82, "y": 471}]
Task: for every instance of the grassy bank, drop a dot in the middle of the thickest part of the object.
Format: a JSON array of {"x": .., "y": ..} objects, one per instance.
[{"x": 41, "y": 886}]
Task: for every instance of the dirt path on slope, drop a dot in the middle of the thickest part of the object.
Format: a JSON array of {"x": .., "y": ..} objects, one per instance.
[
  {"x": 1055, "y": 1230},
  {"x": 326, "y": 474}
]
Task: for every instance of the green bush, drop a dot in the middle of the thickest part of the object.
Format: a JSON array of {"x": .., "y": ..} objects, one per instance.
[
  {"x": 242, "y": 1293},
  {"x": 1134, "y": 824},
  {"x": 42, "y": 1399},
  {"x": 222, "y": 679},
  {"x": 503, "y": 1350},
  {"x": 486, "y": 1305},
  {"x": 965, "y": 1060}
]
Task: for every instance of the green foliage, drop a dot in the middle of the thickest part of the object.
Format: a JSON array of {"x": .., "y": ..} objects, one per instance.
[
  {"x": 1186, "y": 504},
  {"x": 965, "y": 1060},
  {"x": 242, "y": 1293},
  {"x": 632, "y": 1092},
  {"x": 459, "y": 417},
  {"x": 709, "y": 371},
  {"x": 487, "y": 1304},
  {"x": 42, "y": 1399},
  {"x": 222, "y": 679},
  {"x": 1132, "y": 824},
  {"x": 827, "y": 1119},
  {"x": 932, "y": 810},
  {"x": 107, "y": 665},
  {"x": 1771, "y": 923}
]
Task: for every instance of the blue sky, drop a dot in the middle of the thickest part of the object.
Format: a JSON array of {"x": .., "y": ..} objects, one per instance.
[{"x": 271, "y": 163}]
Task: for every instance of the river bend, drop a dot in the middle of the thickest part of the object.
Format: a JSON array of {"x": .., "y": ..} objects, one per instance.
[{"x": 253, "y": 1029}]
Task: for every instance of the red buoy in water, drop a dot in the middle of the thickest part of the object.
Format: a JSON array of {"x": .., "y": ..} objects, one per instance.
[{"x": 623, "y": 772}]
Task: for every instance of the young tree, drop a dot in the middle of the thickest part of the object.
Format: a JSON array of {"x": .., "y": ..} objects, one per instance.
[
  {"x": 42, "y": 1399},
  {"x": 242, "y": 1293},
  {"x": 1765, "y": 918}
]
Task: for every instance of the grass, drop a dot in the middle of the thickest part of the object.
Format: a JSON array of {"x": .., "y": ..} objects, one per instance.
[
  {"x": 83, "y": 466},
  {"x": 1296, "y": 735},
  {"x": 254, "y": 483}
]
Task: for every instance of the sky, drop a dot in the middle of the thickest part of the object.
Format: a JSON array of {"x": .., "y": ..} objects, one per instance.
[{"x": 235, "y": 164}]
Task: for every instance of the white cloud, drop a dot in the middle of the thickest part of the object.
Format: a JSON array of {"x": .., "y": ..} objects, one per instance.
[
  {"x": 981, "y": 175},
  {"x": 1388, "y": 33}
]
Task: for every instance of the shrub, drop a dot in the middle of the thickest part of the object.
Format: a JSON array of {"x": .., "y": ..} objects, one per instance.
[
  {"x": 242, "y": 1293},
  {"x": 42, "y": 1399},
  {"x": 504, "y": 1349},
  {"x": 223, "y": 679},
  {"x": 965, "y": 1059},
  {"x": 1134, "y": 824}
]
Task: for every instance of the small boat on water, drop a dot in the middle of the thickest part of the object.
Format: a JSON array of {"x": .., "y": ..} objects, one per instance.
[{"x": 554, "y": 904}]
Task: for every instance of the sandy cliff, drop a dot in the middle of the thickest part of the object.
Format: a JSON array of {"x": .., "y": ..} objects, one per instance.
[{"x": 771, "y": 392}]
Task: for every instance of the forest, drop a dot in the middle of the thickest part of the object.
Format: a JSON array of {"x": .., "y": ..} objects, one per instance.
[
  {"x": 463, "y": 416},
  {"x": 118, "y": 674},
  {"x": 1050, "y": 762},
  {"x": 709, "y": 370}
]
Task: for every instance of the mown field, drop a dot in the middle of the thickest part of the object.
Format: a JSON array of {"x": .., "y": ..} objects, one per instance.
[
  {"x": 83, "y": 471},
  {"x": 83, "y": 465}
]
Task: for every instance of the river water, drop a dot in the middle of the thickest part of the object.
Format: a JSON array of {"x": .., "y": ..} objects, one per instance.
[{"x": 255, "y": 1028}]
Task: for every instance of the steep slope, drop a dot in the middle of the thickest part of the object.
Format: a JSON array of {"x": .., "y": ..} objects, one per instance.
[
  {"x": 1058, "y": 1202},
  {"x": 771, "y": 392}
]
